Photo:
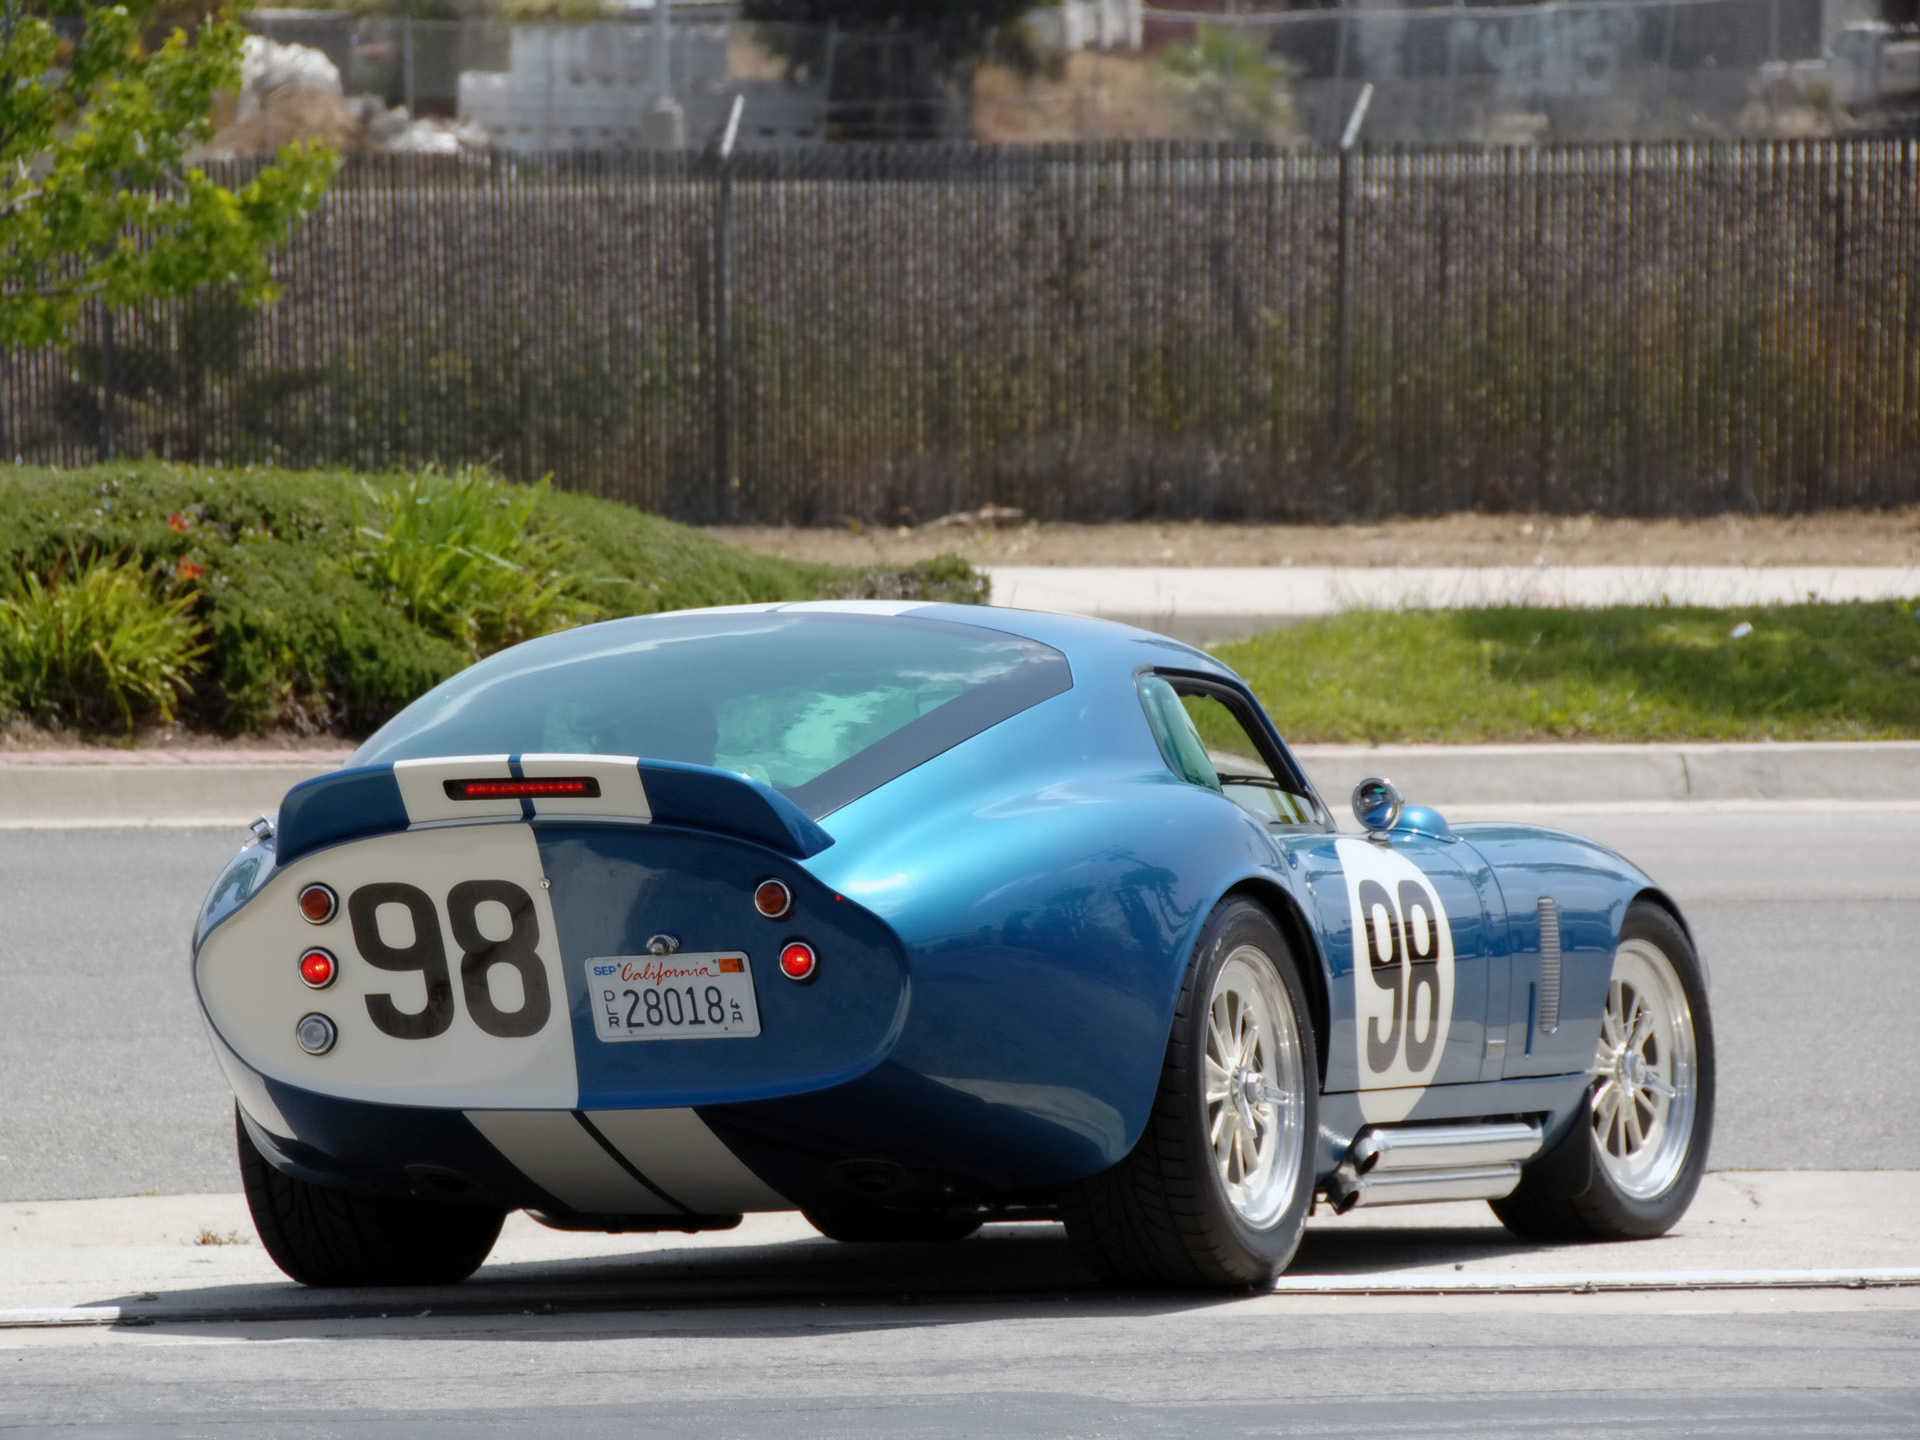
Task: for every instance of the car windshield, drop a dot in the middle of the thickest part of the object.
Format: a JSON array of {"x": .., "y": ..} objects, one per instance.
[{"x": 824, "y": 706}]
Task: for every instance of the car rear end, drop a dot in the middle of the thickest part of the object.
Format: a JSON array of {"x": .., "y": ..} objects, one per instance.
[
  {"x": 544, "y": 978},
  {"x": 560, "y": 956}
]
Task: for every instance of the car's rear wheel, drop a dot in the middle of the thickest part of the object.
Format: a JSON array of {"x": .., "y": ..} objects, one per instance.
[
  {"x": 326, "y": 1237},
  {"x": 1217, "y": 1188},
  {"x": 1649, "y": 1114},
  {"x": 872, "y": 1224}
]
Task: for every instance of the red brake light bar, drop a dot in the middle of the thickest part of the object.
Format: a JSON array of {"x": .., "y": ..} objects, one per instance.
[{"x": 583, "y": 786}]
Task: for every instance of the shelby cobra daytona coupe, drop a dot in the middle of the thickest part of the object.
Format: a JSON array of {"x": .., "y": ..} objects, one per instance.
[{"x": 911, "y": 917}]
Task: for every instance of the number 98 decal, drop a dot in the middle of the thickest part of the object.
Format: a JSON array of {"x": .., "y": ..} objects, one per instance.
[
  {"x": 481, "y": 957},
  {"x": 1402, "y": 967}
]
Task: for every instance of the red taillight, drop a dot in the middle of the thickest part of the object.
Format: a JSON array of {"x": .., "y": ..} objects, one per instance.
[
  {"x": 318, "y": 904},
  {"x": 584, "y": 787},
  {"x": 772, "y": 899},
  {"x": 317, "y": 968},
  {"x": 798, "y": 962}
]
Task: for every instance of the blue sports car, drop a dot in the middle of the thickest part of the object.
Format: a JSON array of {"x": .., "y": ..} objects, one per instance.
[{"x": 911, "y": 917}]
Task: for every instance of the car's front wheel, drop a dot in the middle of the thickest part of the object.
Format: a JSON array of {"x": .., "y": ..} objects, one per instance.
[
  {"x": 326, "y": 1237},
  {"x": 1216, "y": 1190},
  {"x": 1630, "y": 1167}
]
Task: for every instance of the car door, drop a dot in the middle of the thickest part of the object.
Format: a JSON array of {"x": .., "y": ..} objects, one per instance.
[
  {"x": 1410, "y": 943},
  {"x": 1405, "y": 916}
]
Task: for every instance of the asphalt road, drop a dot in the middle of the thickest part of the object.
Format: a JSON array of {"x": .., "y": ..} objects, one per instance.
[
  {"x": 1810, "y": 920},
  {"x": 1044, "y": 1366}
]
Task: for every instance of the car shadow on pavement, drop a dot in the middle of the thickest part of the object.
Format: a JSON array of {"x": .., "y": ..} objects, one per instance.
[
  {"x": 1006, "y": 1269},
  {"x": 1374, "y": 1248}
]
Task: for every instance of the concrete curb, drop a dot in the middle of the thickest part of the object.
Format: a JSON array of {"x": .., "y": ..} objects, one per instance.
[
  {"x": 220, "y": 788},
  {"x": 228, "y": 791},
  {"x": 1492, "y": 775}
]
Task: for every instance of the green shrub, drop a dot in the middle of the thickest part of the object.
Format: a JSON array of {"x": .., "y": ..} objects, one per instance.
[
  {"x": 91, "y": 643},
  {"x": 457, "y": 556},
  {"x": 331, "y": 599}
]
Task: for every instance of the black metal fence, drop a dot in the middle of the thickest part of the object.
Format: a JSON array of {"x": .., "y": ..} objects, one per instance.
[{"x": 1084, "y": 333}]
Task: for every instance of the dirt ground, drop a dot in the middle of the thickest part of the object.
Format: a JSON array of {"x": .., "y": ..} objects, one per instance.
[{"x": 1852, "y": 538}]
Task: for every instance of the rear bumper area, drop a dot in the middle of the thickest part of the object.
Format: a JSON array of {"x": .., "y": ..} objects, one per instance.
[{"x": 647, "y": 1168}]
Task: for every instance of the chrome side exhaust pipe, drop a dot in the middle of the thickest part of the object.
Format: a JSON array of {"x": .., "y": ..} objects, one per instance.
[{"x": 1411, "y": 1164}]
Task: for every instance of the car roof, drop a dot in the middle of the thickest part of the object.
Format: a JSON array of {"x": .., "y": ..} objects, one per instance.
[{"x": 1082, "y": 639}]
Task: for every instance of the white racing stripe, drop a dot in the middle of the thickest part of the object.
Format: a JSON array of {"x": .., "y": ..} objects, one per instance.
[
  {"x": 423, "y": 787},
  {"x": 676, "y": 1150},
  {"x": 622, "y": 796},
  {"x": 249, "y": 977},
  {"x": 673, "y": 1164},
  {"x": 555, "y": 1151},
  {"x": 248, "y": 1088}
]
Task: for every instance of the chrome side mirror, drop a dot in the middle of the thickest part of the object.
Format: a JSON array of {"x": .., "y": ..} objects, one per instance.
[{"x": 1377, "y": 804}]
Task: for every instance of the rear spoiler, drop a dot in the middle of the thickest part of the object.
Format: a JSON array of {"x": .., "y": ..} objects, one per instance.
[{"x": 372, "y": 799}]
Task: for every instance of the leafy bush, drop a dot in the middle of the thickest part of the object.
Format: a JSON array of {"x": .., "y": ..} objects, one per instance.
[
  {"x": 92, "y": 642},
  {"x": 331, "y": 599},
  {"x": 458, "y": 557}
]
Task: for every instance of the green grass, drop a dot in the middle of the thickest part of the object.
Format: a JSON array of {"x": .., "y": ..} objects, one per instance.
[
  {"x": 328, "y": 599},
  {"x": 1805, "y": 672}
]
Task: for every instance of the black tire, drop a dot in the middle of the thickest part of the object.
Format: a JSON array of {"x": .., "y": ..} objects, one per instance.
[
  {"x": 1570, "y": 1193},
  {"x": 1162, "y": 1216},
  {"x": 325, "y": 1237},
  {"x": 854, "y": 1225}
]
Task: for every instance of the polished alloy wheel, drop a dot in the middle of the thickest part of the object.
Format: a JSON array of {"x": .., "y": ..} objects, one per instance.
[
  {"x": 1255, "y": 1087},
  {"x": 1643, "y": 1105}
]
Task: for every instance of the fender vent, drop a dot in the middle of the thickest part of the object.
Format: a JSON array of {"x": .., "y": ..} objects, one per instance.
[{"x": 1549, "y": 966}]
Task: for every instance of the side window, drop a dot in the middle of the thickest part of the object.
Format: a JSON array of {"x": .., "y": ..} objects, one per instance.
[
  {"x": 1205, "y": 743},
  {"x": 1180, "y": 743}
]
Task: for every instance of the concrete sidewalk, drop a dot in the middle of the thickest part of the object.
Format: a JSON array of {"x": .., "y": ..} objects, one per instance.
[
  {"x": 1204, "y": 605},
  {"x": 196, "y": 1257}
]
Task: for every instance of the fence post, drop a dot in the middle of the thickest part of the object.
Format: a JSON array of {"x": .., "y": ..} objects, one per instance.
[
  {"x": 1342, "y": 284},
  {"x": 727, "y": 500},
  {"x": 109, "y": 445}
]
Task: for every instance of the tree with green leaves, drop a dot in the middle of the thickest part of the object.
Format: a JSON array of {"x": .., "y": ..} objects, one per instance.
[
  {"x": 1234, "y": 88},
  {"x": 99, "y": 199}
]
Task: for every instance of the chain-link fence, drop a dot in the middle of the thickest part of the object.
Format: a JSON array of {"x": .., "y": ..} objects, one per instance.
[{"x": 1091, "y": 332}]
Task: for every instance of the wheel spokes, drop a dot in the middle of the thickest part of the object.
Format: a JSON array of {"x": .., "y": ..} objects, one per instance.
[{"x": 1219, "y": 1081}]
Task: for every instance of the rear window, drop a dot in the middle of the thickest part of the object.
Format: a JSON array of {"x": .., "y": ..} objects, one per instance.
[{"x": 824, "y": 707}]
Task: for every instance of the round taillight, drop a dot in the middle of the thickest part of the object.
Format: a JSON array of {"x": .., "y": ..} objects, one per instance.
[
  {"x": 798, "y": 962},
  {"x": 318, "y": 967},
  {"x": 315, "y": 1034},
  {"x": 318, "y": 904},
  {"x": 773, "y": 899}
]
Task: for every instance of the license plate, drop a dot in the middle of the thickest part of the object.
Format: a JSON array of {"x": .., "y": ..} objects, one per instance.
[{"x": 673, "y": 997}]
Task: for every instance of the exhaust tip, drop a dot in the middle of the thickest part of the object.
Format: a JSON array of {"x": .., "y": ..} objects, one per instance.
[{"x": 1343, "y": 1190}]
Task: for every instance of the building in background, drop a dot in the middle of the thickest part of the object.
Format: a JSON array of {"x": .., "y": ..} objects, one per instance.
[{"x": 1565, "y": 70}]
